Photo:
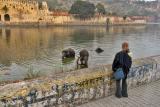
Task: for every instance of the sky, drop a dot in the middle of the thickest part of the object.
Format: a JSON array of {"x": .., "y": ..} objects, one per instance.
[{"x": 147, "y": 0}]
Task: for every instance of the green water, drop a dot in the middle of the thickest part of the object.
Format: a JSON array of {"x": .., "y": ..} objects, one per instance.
[{"x": 40, "y": 48}]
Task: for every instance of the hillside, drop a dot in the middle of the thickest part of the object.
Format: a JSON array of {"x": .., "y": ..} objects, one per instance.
[{"x": 120, "y": 7}]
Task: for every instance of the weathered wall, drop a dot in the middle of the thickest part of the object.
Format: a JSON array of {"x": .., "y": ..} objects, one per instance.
[
  {"x": 20, "y": 11},
  {"x": 97, "y": 20},
  {"x": 77, "y": 87}
]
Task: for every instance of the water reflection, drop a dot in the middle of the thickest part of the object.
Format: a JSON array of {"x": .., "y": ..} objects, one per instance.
[
  {"x": 41, "y": 48},
  {"x": 8, "y": 35}
]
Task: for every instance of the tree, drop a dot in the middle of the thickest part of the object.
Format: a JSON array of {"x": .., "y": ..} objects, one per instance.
[
  {"x": 100, "y": 8},
  {"x": 124, "y": 17},
  {"x": 82, "y": 9},
  {"x": 5, "y": 9}
]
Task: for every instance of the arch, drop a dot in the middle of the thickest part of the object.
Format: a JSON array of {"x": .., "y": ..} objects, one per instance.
[
  {"x": 40, "y": 19},
  {"x": 7, "y": 17}
]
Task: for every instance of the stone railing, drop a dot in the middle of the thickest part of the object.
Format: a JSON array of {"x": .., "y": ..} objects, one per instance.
[{"x": 77, "y": 87}]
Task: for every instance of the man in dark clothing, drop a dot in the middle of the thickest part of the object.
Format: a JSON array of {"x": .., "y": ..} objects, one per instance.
[{"x": 122, "y": 60}]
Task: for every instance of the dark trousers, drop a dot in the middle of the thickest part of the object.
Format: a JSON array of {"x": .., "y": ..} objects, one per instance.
[{"x": 121, "y": 88}]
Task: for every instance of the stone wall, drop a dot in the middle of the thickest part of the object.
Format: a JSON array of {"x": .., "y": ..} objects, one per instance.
[
  {"x": 20, "y": 11},
  {"x": 76, "y": 87},
  {"x": 97, "y": 20}
]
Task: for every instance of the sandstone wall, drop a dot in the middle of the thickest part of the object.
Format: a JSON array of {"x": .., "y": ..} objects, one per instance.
[
  {"x": 97, "y": 20},
  {"x": 20, "y": 11}
]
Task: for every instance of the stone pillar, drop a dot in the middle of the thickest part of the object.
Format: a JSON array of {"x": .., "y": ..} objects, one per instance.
[{"x": 2, "y": 17}]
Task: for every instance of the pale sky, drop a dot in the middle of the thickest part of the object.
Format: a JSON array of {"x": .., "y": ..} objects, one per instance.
[{"x": 147, "y": 0}]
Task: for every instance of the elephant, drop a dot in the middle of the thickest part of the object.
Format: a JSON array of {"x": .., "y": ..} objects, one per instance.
[
  {"x": 68, "y": 53},
  {"x": 99, "y": 50},
  {"x": 84, "y": 55}
]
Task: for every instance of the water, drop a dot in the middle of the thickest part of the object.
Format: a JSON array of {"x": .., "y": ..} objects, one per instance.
[{"x": 40, "y": 48}]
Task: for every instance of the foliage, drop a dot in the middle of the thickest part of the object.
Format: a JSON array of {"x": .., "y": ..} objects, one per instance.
[
  {"x": 100, "y": 8},
  {"x": 5, "y": 9},
  {"x": 31, "y": 73},
  {"x": 124, "y": 17},
  {"x": 112, "y": 14},
  {"x": 83, "y": 9}
]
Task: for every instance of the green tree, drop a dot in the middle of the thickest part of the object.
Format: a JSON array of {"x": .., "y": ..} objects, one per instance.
[
  {"x": 82, "y": 9},
  {"x": 124, "y": 17},
  {"x": 100, "y": 8}
]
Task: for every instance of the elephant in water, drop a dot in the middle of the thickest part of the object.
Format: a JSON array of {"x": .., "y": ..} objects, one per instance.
[
  {"x": 68, "y": 53},
  {"x": 99, "y": 50},
  {"x": 84, "y": 55}
]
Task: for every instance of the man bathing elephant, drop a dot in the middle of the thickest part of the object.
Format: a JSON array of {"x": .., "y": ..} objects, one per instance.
[
  {"x": 82, "y": 59},
  {"x": 68, "y": 53},
  {"x": 84, "y": 55}
]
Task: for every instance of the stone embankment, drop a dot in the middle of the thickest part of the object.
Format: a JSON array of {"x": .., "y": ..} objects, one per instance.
[{"x": 77, "y": 87}]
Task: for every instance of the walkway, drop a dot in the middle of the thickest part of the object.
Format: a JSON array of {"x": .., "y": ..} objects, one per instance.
[{"x": 143, "y": 96}]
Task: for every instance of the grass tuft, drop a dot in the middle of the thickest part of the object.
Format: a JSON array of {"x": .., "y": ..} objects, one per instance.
[{"x": 31, "y": 73}]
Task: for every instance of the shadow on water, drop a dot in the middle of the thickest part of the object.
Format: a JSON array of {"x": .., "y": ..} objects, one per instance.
[
  {"x": 67, "y": 61},
  {"x": 86, "y": 34},
  {"x": 81, "y": 67},
  {"x": 0, "y": 32},
  {"x": 8, "y": 36}
]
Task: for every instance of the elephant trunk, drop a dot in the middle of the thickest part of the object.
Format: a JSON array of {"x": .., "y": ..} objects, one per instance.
[{"x": 78, "y": 60}]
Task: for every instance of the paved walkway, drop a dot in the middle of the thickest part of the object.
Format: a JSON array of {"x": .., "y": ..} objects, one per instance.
[{"x": 143, "y": 96}]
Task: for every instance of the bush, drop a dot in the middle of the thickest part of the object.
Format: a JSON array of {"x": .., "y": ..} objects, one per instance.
[
  {"x": 31, "y": 73},
  {"x": 83, "y": 9}
]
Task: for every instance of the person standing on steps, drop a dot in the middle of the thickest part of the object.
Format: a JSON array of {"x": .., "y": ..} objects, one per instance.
[{"x": 123, "y": 62}]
